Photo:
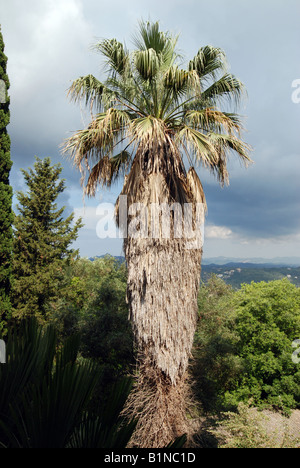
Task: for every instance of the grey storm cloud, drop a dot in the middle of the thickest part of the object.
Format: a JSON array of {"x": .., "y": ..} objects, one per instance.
[{"x": 48, "y": 43}]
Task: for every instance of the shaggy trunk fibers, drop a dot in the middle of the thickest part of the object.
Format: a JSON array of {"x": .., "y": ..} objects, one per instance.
[
  {"x": 160, "y": 407},
  {"x": 163, "y": 282},
  {"x": 162, "y": 292}
]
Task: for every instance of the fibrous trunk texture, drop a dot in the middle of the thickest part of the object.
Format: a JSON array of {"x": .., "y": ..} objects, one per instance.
[
  {"x": 163, "y": 282},
  {"x": 162, "y": 292}
]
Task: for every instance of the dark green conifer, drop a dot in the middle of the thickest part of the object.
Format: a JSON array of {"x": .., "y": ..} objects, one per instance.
[
  {"x": 6, "y": 214},
  {"x": 42, "y": 241}
]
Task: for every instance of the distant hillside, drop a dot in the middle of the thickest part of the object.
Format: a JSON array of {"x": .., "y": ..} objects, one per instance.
[
  {"x": 120, "y": 259},
  {"x": 242, "y": 271},
  {"x": 257, "y": 261},
  {"x": 236, "y": 274}
]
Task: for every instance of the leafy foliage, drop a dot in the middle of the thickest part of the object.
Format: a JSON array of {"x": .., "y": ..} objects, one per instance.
[
  {"x": 93, "y": 303},
  {"x": 215, "y": 364},
  {"x": 243, "y": 346},
  {"x": 42, "y": 239},
  {"x": 244, "y": 429},
  {"x": 268, "y": 321},
  {"x": 6, "y": 214}
]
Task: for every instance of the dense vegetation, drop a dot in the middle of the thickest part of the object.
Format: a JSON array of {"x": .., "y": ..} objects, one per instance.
[
  {"x": 242, "y": 350},
  {"x": 93, "y": 304},
  {"x": 42, "y": 241},
  {"x": 243, "y": 345},
  {"x": 48, "y": 395},
  {"x": 6, "y": 215}
]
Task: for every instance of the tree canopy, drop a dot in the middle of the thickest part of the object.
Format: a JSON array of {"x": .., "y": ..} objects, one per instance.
[
  {"x": 42, "y": 240},
  {"x": 6, "y": 214},
  {"x": 149, "y": 100}
]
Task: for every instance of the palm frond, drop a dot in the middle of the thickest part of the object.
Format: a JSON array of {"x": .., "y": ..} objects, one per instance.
[
  {"x": 149, "y": 36},
  {"x": 107, "y": 171},
  {"x": 101, "y": 135},
  {"x": 231, "y": 142},
  {"x": 181, "y": 81},
  {"x": 210, "y": 119},
  {"x": 164, "y": 44},
  {"x": 149, "y": 131},
  {"x": 147, "y": 63},
  {"x": 117, "y": 57},
  {"x": 225, "y": 144},
  {"x": 228, "y": 87},
  {"x": 196, "y": 187},
  {"x": 91, "y": 91},
  {"x": 198, "y": 144},
  {"x": 98, "y": 143},
  {"x": 208, "y": 62}
]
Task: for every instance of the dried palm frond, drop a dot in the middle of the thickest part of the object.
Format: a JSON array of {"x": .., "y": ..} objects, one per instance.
[{"x": 196, "y": 187}]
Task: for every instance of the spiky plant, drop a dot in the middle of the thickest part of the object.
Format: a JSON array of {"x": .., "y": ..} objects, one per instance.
[{"x": 147, "y": 118}]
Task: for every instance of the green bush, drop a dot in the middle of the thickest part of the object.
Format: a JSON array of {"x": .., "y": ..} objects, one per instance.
[
  {"x": 267, "y": 322},
  {"x": 215, "y": 364},
  {"x": 243, "y": 346},
  {"x": 94, "y": 305}
]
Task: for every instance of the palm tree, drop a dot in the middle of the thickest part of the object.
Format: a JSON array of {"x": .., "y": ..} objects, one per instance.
[{"x": 152, "y": 122}]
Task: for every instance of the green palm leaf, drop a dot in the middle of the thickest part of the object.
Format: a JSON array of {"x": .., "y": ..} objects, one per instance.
[
  {"x": 89, "y": 89},
  {"x": 227, "y": 87},
  {"x": 117, "y": 58},
  {"x": 208, "y": 62}
]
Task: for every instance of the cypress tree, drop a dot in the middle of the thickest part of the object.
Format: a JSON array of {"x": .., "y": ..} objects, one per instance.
[
  {"x": 6, "y": 214},
  {"x": 42, "y": 241}
]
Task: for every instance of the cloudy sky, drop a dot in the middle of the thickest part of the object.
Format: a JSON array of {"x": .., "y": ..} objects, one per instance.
[{"x": 48, "y": 44}]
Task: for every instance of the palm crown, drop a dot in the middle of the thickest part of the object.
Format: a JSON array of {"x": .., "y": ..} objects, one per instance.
[{"x": 149, "y": 102}]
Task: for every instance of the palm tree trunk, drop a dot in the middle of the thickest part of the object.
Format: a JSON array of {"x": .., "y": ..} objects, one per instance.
[{"x": 163, "y": 282}]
